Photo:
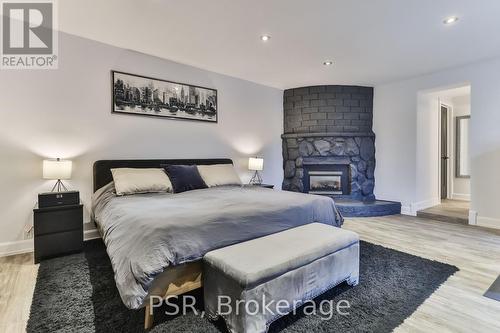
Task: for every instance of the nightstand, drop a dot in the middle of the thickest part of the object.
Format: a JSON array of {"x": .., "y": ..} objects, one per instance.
[
  {"x": 263, "y": 185},
  {"x": 58, "y": 231}
]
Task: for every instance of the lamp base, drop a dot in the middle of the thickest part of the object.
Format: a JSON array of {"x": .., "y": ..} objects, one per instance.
[
  {"x": 256, "y": 179},
  {"x": 59, "y": 186}
]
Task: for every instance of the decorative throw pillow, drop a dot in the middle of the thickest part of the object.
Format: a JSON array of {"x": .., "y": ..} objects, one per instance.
[
  {"x": 133, "y": 181},
  {"x": 219, "y": 174},
  {"x": 184, "y": 177}
]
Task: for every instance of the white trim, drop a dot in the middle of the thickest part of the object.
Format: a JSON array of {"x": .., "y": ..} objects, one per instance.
[
  {"x": 424, "y": 204},
  {"x": 488, "y": 222},
  {"x": 406, "y": 210},
  {"x": 451, "y": 154},
  {"x": 472, "y": 217},
  {"x": 414, "y": 207},
  {"x": 461, "y": 196},
  {"x": 91, "y": 234},
  {"x": 17, "y": 247},
  {"x": 26, "y": 245}
]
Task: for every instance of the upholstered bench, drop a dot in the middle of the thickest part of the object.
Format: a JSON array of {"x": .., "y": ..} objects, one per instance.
[{"x": 287, "y": 268}]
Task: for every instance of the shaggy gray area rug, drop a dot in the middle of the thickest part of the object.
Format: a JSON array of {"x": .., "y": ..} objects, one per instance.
[
  {"x": 493, "y": 292},
  {"x": 77, "y": 293}
]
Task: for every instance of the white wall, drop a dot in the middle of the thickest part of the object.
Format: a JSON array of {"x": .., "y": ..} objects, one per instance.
[
  {"x": 67, "y": 113},
  {"x": 428, "y": 187},
  {"x": 460, "y": 186},
  {"x": 395, "y": 123},
  {"x": 428, "y": 150}
]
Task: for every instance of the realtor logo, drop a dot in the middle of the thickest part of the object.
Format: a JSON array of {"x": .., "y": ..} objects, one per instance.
[{"x": 29, "y": 37}]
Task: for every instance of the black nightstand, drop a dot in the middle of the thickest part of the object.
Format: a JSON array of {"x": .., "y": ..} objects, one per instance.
[
  {"x": 263, "y": 185},
  {"x": 58, "y": 231}
]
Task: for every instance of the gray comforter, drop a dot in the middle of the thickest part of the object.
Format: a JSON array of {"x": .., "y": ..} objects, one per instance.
[{"x": 146, "y": 233}]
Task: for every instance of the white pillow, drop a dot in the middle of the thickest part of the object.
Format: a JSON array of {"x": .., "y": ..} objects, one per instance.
[
  {"x": 219, "y": 174},
  {"x": 132, "y": 181}
]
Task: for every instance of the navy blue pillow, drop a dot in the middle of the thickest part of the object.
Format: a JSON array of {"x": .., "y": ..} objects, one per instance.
[{"x": 184, "y": 177}]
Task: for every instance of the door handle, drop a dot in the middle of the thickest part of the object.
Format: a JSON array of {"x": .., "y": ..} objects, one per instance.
[{"x": 445, "y": 157}]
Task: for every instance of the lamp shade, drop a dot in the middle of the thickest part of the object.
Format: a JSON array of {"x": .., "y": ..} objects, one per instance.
[
  {"x": 57, "y": 169},
  {"x": 255, "y": 163}
]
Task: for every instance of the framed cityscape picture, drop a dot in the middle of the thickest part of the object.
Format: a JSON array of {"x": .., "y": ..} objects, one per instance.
[{"x": 146, "y": 96}]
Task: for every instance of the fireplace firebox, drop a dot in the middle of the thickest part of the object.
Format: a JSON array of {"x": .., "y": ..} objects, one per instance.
[
  {"x": 325, "y": 182},
  {"x": 331, "y": 180}
]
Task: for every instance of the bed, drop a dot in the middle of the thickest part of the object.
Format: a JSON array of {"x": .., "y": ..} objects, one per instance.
[{"x": 155, "y": 241}]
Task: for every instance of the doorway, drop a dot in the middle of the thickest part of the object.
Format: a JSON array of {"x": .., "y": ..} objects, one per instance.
[
  {"x": 445, "y": 111},
  {"x": 443, "y": 161}
]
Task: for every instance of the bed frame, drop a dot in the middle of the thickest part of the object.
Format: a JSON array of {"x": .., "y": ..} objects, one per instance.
[{"x": 183, "y": 278}]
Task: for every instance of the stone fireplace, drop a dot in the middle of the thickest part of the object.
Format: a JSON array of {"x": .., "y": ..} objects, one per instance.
[{"x": 328, "y": 142}]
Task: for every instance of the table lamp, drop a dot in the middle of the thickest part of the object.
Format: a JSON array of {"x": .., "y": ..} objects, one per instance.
[
  {"x": 57, "y": 170},
  {"x": 256, "y": 164}
]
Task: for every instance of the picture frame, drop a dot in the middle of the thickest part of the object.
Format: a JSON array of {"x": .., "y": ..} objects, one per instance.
[{"x": 135, "y": 94}]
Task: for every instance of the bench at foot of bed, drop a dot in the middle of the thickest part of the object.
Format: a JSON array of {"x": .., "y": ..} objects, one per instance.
[{"x": 287, "y": 268}]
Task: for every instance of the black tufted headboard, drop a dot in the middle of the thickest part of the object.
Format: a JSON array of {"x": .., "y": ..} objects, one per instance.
[{"x": 102, "y": 169}]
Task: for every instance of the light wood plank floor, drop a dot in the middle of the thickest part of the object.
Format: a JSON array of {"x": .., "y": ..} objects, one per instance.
[
  {"x": 17, "y": 283},
  {"x": 455, "y": 211},
  {"x": 457, "y": 306}
]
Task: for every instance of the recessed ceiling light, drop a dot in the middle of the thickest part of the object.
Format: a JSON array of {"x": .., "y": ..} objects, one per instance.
[
  {"x": 450, "y": 20},
  {"x": 328, "y": 63},
  {"x": 265, "y": 38}
]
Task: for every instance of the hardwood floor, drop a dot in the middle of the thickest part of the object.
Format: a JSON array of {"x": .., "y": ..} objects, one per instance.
[
  {"x": 453, "y": 211},
  {"x": 457, "y": 306},
  {"x": 17, "y": 282}
]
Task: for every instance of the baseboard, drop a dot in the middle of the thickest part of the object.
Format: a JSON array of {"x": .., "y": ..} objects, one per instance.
[
  {"x": 406, "y": 210},
  {"x": 460, "y": 196},
  {"x": 425, "y": 204},
  {"x": 26, "y": 245},
  {"x": 91, "y": 234},
  {"x": 414, "y": 207},
  {"x": 472, "y": 217},
  {"x": 17, "y": 247},
  {"x": 488, "y": 222}
]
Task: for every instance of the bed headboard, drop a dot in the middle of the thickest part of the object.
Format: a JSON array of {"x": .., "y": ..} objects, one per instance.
[{"x": 102, "y": 169}]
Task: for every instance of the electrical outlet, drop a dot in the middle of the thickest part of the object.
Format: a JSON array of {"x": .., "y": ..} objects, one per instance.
[{"x": 28, "y": 229}]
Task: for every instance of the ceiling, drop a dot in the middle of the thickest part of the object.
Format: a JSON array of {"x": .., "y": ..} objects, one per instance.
[
  {"x": 370, "y": 42},
  {"x": 455, "y": 92}
]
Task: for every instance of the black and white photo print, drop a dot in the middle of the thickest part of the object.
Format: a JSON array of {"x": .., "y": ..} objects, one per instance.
[{"x": 140, "y": 95}]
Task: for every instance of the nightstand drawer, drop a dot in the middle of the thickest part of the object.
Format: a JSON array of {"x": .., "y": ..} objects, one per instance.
[
  {"x": 56, "y": 244},
  {"x": 58, "y": 220}
]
